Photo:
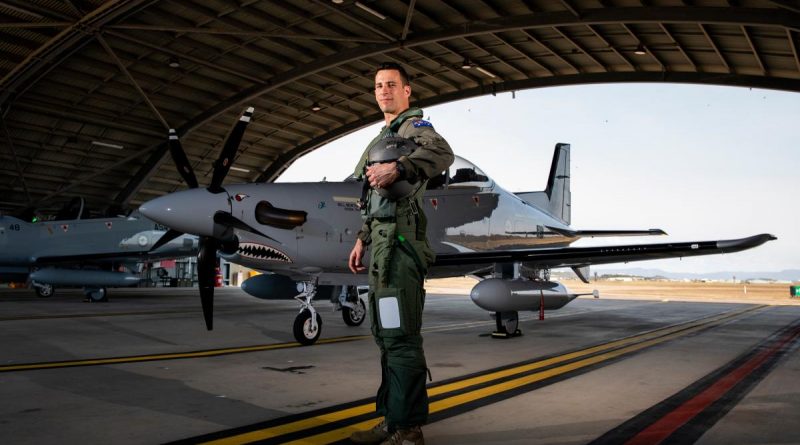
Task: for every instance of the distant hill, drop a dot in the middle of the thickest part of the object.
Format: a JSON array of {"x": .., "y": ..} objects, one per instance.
[{"x": 788, "y": 275}]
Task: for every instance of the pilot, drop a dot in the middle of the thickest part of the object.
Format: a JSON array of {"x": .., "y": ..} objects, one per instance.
[{"x": 394, "y": 228}]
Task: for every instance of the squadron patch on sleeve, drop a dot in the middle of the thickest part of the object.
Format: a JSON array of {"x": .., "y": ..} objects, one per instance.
[{"x": 422, "y": 123}]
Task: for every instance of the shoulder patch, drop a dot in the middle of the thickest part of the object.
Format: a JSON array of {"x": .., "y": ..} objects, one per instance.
[{"x": 422, "y": 123}]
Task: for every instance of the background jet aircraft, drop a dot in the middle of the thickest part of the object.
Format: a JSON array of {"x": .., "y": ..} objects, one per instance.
[
  {"x": 303, "y": 233},
  {"x": 82, "y": 252}
]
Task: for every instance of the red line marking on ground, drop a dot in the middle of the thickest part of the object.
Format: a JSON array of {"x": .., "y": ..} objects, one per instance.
[{"x": 664, "y": 427}]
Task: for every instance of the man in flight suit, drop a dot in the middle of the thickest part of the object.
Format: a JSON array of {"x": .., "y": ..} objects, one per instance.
[{"x": 400, "y": 256}]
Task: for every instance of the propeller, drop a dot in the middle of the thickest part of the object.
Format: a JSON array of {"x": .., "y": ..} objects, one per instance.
[
  {"x": 225, "y": 160},
  {"x": 206, "y": 275},
  {"x": 180, "y": 159},
  {"x": 185, "y": 211},
  {"x": 165, "y": 238},
  {"x": 208, "y": 245},
  {"x": 228, "y": 220}
]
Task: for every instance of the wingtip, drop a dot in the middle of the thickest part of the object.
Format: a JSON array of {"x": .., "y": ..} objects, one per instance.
[{"x": 746, "y": 243}]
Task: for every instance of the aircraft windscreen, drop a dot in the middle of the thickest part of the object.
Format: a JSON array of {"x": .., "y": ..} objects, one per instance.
[
  {"x": 461, "y": 174},
  {"x": 465, "y": 174}
]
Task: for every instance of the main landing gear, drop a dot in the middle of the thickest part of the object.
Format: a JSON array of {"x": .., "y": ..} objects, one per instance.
[
  {"x": 507, "y": 325},
  {"x": 43, "y": 290},
  {"x": 91, "y": 294},
  {"x": 354, "y": 310},
  {"x": 508, "y": 321},
  {"x": 95, "y": 295},
  {"x": 308, "y": 323}
]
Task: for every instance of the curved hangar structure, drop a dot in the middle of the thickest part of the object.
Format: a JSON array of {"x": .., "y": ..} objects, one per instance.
[{"x": 90, "y": 87}]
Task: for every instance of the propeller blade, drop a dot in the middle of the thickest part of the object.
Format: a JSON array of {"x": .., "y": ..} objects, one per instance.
[
  {"x": 223, "y": 163},
  {"x": 206, "y": 274},
  {"x": 165, "y": 238},
  {"x": 228, "y": 220},
  {"x": 180, "y": 159}
]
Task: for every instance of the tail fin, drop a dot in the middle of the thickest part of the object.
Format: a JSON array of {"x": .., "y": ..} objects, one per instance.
[{"x": 555, "y": 199}]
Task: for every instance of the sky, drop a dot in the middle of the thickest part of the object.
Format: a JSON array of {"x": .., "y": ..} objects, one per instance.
[{"x": 701, "y": 162}]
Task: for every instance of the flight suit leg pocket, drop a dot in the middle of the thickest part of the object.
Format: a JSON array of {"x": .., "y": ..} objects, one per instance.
[
  {"x": 383, "y": 243},
  {"x": 394, "y": 316}
]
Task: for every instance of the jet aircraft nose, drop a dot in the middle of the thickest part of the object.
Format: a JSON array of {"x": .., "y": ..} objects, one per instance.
[{"x": 189, "y": 211}]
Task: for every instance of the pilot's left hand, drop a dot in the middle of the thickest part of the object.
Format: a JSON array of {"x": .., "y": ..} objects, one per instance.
[{"x": 382, "y": 175}]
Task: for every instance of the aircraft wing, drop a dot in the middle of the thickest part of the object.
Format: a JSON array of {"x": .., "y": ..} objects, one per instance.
[{"x": 585, "y": 256}]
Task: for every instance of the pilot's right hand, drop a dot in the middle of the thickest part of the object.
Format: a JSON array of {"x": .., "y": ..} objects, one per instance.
[
  {"x": 382, "y": 175},
  {"x": 355, "y": 257}
]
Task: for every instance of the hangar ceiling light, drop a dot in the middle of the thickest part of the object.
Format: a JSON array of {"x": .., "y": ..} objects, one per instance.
[
  {"x": 107, "y": 145},
  {"x": 370, "y": 10},
  {"x": 485, "y": 71}
]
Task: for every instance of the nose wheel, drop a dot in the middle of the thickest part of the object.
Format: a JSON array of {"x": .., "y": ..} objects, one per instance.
[
  {"x": 307, "y": 327},
  {"x": 308, "y": 323}
]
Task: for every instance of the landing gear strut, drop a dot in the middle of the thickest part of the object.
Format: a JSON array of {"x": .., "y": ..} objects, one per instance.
[{"x": 308, "y": 323}]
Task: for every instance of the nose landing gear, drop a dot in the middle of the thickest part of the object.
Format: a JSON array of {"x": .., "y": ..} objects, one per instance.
[{"x": 308, "y": 323}]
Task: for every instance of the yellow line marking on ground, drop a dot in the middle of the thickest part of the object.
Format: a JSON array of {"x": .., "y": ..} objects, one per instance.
[
  {"x": 208, "y": 353},
  {"x": 633, "y": 344},
  {"x": 170, "y": 356}
]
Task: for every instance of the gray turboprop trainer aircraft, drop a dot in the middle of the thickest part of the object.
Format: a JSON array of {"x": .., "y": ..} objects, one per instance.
[
  {"x": 302, "y": 234},
  {"x": 73, "y": 251}
]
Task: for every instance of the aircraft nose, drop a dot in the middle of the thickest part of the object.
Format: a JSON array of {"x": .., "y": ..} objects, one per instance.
[{"x": 189, "y": 211}]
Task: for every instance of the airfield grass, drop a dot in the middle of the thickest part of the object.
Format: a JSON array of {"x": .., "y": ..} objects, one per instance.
[{"x": 768, "y": 293}]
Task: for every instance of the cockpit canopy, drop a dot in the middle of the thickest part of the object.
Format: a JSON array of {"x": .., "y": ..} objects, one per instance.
[{"x": 461, "y": 174}]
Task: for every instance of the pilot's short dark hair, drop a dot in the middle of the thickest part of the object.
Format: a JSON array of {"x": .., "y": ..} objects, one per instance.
[{"x": 394, "y": 66}]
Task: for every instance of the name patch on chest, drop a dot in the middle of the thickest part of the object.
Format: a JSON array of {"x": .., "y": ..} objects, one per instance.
[{"x": 422, "y": 123}]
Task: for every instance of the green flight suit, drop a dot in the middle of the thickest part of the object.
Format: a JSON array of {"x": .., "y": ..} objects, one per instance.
[{"x": 400, "y": 256}]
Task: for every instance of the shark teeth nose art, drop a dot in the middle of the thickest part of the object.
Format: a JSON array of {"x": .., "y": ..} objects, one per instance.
[{"x": 262, "y": 252}]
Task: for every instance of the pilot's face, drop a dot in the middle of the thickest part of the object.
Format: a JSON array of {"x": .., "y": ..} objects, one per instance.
[{"x": 390, "y": 93}]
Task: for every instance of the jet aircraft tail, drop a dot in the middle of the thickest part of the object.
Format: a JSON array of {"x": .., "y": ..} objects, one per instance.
[{"x": 555, "y": 199}]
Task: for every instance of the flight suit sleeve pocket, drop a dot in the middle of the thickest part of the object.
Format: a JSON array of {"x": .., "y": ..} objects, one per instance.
[{"x": 392, "y": 313}]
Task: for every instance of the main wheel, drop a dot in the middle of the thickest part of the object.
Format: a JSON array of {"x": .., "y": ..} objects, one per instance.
[
  {"x": 355, "y": 316},
  {"x": 44, "y": 290},
  {"x": 507, "y": 324},
  {"x": 304, "y": 333},
  {"x": 511, "y": 323},
  {"x": 96, "y": 295}
]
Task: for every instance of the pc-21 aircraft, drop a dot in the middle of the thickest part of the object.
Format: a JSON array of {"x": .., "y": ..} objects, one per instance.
[
  {"x": 86, "y": 252},
  {"x": 302, "y": 234}
]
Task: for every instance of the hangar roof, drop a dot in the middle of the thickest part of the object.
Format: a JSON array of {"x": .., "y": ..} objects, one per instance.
[{"x": 90, "y": 87}]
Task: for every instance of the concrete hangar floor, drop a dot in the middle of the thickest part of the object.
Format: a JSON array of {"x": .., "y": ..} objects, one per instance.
[{"x": 142, "y": 369}]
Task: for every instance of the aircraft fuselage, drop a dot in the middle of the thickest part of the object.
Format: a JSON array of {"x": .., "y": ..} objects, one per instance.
[{"x": 460, "y": 219}]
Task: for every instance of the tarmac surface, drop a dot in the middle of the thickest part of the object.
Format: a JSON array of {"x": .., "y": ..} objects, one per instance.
[{"x": 142, "y": 369}]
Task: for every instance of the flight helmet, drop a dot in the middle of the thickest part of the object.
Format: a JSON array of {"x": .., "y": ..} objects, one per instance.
[{"x": 390, "y": 149}]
